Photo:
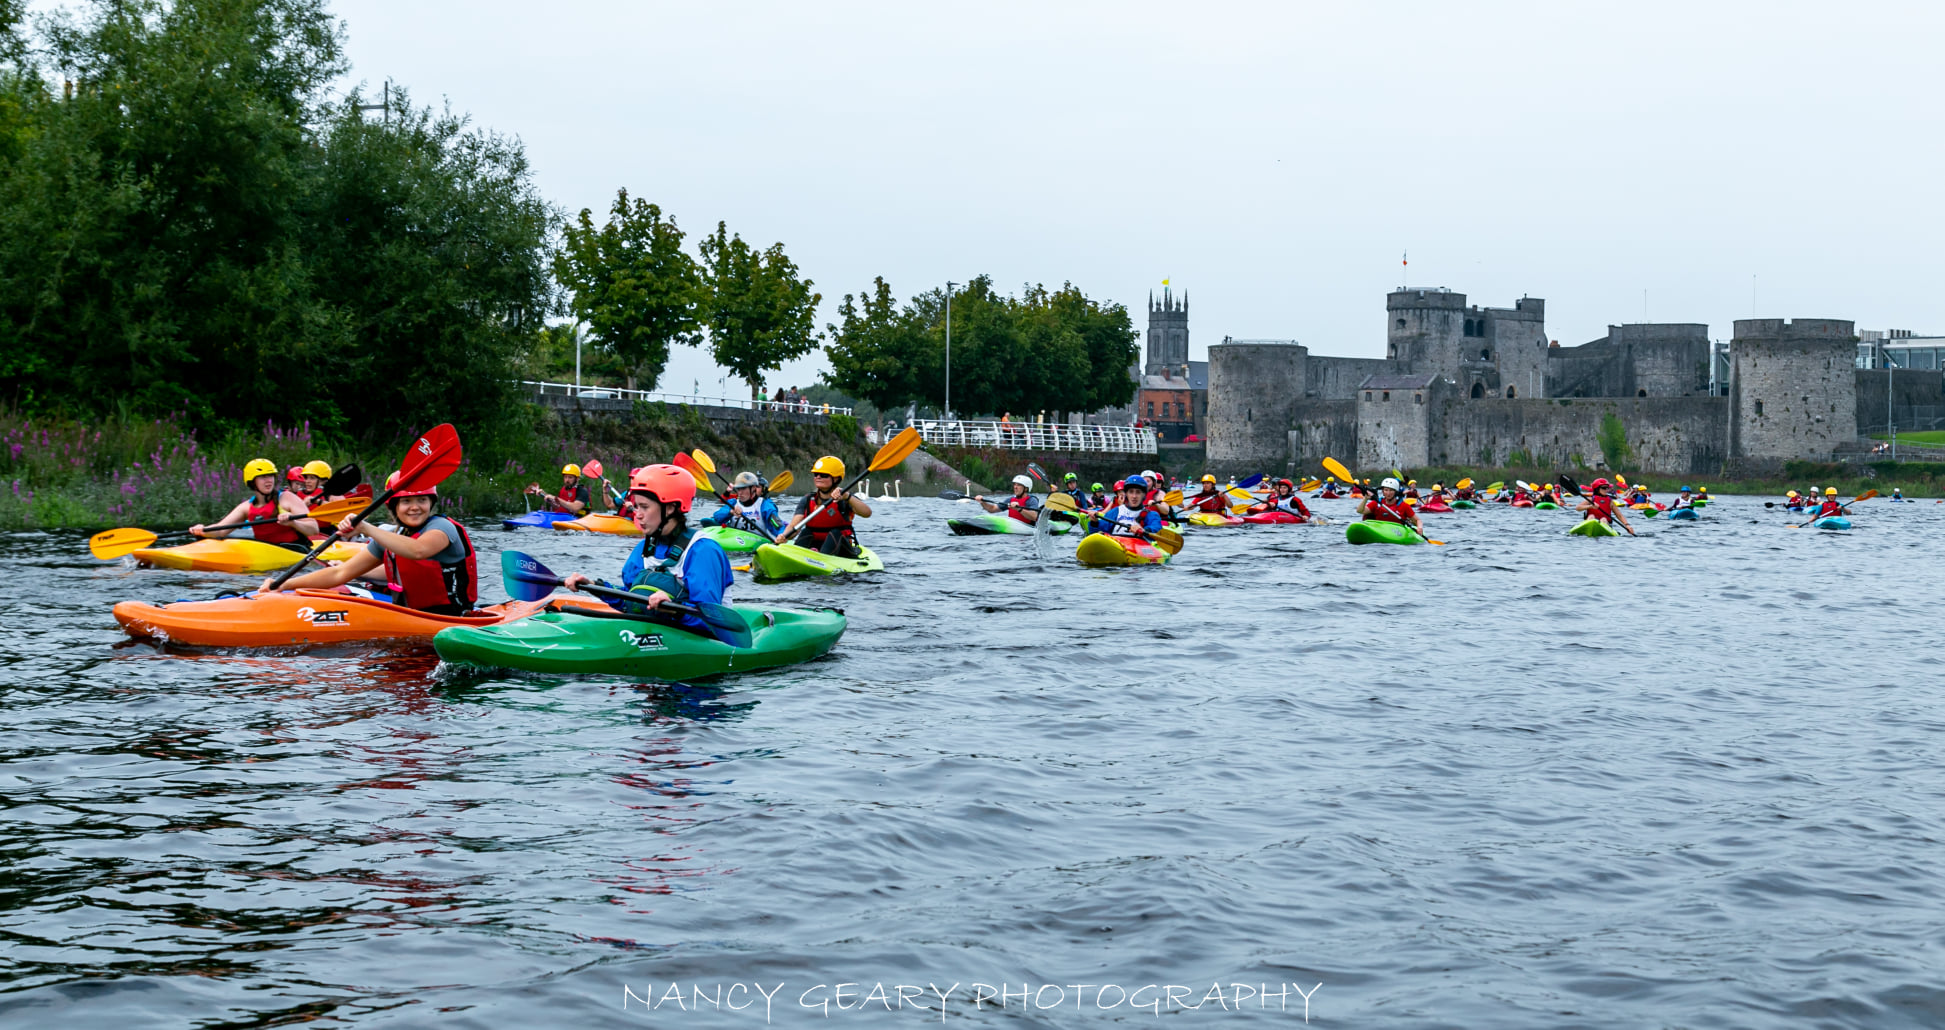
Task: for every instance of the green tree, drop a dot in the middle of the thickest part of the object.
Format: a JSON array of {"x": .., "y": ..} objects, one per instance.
[
  {"x": 634, "y": 285},
  {"x": 881, "y": 352},
  {"x": 760, "y": 313}
]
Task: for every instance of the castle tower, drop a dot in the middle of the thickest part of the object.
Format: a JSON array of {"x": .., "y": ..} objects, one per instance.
[
  {"x": 1425, "y": 330},
  {"x": 1792, "y": 388},
  {"x": 1168, "y": 334}
]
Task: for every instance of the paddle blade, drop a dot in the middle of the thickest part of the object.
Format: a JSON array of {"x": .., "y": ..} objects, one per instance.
[
  {"x": 1619, "y": 478},
  {"x": 1496, "y": 487},
  {"x": 431, "y": 459},
  {"x": 1248, "y": 481},
  {"x": 782, "y": 482},
  {"x": 1567, "y": 483},
  {"x": 1059, "y": 502},
  {"x": 896, "y": 449},
  {"x": 343, "y": 480},
  {"x": 118, "y": 542},
  {"x": 1336, "y": 468},
  {"x": 1463, "y": 483},
  {"x": 703, "y": 460},
  {"x": 1173, "y": 498},
  {"x": 695, "y": 471},
  {"x": 1038, "y": 472},
  {"x": 335, "y": 509},
  {"x": 592, "y": 468},
  {"x": 728, "y": 624},
  {"x": 1168, "y": 540},
  {"x": 1865, "y": 496},
  {"x": 1523, "y": 484},
  {"x": 525, "y": 578}
]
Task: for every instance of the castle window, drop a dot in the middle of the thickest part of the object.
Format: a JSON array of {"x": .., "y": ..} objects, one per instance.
[
  {"x": 1468, "y": 327},
  {"x": 1401, "y": 323},
  {"x": 1418, "y": 398},
  {"x": 1641, "y": 393},
  {"x": 1387, "y": 395},
  {"x": 1511, "y": 393},
  {"x": 1759, "y": 407},
  {"x": 1367, "y": 395},
  {"x": 1478, "y": 390},
  {"x": 1485, "y": 355}
]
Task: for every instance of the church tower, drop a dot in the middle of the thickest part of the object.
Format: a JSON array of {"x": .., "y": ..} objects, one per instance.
[{"x": 1168, "y": 334}]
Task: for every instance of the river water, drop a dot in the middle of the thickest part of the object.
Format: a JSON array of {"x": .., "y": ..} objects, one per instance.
[{"x": 1523, "y": 780}]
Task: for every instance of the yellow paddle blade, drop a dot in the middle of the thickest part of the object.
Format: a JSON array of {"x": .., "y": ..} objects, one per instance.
[
  {"x": 1060, "y": 502},
  {"x": 1168, "y": 540},
  {"x": 335, "y": 509},
  {"x": 1311, "y": 484},
  {"x": 782, "y": 482},
  {"x": 1463, "y": 483},
  {"x": 702, "y": 458},
  {"x": 118, "y": 542},
  {"x": 896, "y": 449},
  {"x": 1336, "y": 468},
  {"x": 1173, "y": 498},
  {"x": 1621, "y": 479}
]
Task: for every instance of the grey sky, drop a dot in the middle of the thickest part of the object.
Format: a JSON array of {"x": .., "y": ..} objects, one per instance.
[{"x": 1273, "y": 159}]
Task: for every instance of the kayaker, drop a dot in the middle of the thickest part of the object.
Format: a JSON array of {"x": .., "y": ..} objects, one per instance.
[
  {"x": 428, "y": 558},
  {"x": 1829, "y": 507},
  {"x": 1682, "y": 500},
  {"x": 747, "y": 508},
  {"x": 1329, "y": 492},
  {"x": 1411, "y": 489},
  {"x": 1389, "y": 506},
  {"x": 1599, "y": 504},
  {"x": 1070, "y": 484},
  {"x": 1097, "y": 496},
  {"x": 1132, "y": 516},
  {"x": 671, "y": 563},
  {"x": 1210, "y": 500},
  {"x": 1897, "y": 494},
  {"x": 294, "y": 526},
  {"x": 1023, "y": 506},
  {"x": 572, "y": 496},
  {"x": 825, "y": 515},
  {"x": 1793, "y": 501},
  {"x": 1464, "y": 493},
  {"x": 1283, "y": 498},
  {"x": 315, "y": 473}
]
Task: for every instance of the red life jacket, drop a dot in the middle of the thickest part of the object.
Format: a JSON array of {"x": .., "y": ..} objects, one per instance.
[
  {"x": 270, "y": 532},
  {"x": 1378, "y": 511},
  {"x": 1215, "y": 502},
  {"x": 1600, "y": 507},
  {"x": 1015, "y": 506},
  {"x": 423, "y": 584},
  {"x": 1830, "y": 508},
  {"x": 569, "y": 493},
  {"x": 828, "y": 518}
]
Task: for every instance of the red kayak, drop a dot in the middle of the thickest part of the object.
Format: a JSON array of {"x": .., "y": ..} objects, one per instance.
[
  {"x": 1277, "y": 518},
  {"x": 1435, "y": 508},
  {"x": 1522, "y": 504}
]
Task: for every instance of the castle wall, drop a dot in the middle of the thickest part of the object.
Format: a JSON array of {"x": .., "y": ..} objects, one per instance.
[
  {"x": 1668, "y": 435},
  {"x": 1518, "y": 338},
  {"x": 1256, "y": 391},
  {"x": 1395, "y": 425},
  {"x": 1792, "y": 387},
  {"x": 1324, "y": 429},
  {"x": 1652, "y": 360},
  {"x": 1337, "y": 378},
  {"x": 1918, "y": 399}
]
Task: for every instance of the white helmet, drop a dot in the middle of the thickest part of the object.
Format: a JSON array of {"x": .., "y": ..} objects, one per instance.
[
  {"x": 1025, "y": 481},
  {"x": 1389, "y": 484}
]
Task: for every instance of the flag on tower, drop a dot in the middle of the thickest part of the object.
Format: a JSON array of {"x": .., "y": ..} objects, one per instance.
[{"x": 1164, "y": 282}]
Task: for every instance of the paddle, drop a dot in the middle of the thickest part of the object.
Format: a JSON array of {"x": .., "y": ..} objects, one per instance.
[
  {"x": 593, "y": 470},
  {"x": 526, "y": 579},
  {"x": 1845, "y": 507},
  {"x": 430, "y": 460},
  {"x": 1164, "y": 538},
  {"x": 781, "y": 483},
  {"x": 1567, "y": 483},
  {"x": 1336, "y": 468},
  {"x": 1496, "y": 486},
  {"x": 1039, "y": 473},
  {"x": 696, "y": 472},
  {"x": 115, "y": 543},
  {"x": 895, "y": 450}
]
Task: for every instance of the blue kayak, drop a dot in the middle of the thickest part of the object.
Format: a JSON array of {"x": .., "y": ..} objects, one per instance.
[
  {"x": 1832, "y": 522},
  {"x": 1683, "y": 515},
  {"x": 536, "y": 519}
]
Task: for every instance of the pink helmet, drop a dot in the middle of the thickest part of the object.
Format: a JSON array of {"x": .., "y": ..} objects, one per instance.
[{"x": 425, "y": 491}]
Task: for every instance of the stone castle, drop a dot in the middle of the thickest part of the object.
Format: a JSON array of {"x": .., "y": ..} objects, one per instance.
[{"x": 1465, "y": 385}]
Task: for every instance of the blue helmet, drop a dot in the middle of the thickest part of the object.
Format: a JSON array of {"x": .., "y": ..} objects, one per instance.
[
  {"x": 1135, "y": 481},
  {"x": 1688, "y": 489}
]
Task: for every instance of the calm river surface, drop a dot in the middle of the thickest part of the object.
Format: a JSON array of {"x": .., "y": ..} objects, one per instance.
[{"x": 1525, "y": 780}]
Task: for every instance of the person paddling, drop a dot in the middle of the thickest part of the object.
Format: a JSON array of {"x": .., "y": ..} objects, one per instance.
[
  {"x": 1211, "y": 500},
  {"x": 1829, "y": 507},
  {"x": 1682, "y": 500},
  {"x": 294, "y": 526},
  {"x": 1284, "y": 498},
  {"x": 671, "y": 563},
  {"x": 1023, "y": 506},
  {"x": 572, "y": 497},
  {"x": 315, "y": 474},
  {"x": 746, "y": 509},
  {"x": 1389, "y": 506},
  {"x": 428, "y": 558},
  {"x": 826, "y": 513},
  {"x": 1132, "y": 516},
  {"x": 1599, "y": 504}
]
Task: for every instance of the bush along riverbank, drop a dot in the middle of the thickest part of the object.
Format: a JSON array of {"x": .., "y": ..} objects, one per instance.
[
  {"x": 158, "y": 473},
  {"x": 1913, "y": 478}
]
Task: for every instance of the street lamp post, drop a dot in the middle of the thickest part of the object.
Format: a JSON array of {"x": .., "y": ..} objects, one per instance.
[{"x": 948, "y": 348}]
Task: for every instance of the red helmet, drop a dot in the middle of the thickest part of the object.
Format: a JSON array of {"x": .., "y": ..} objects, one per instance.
[
  {"x": 424, "y": 491},
  {"x": 1118, "y": 484},
  {"x": 1285, "y": 482},
  {"x": 666, "y": 483},
  {"x": 1598, "y": 483},
  {"x": 294, "y": 473}
]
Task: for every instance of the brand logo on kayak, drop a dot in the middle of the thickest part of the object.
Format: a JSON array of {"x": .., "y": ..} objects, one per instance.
[
  {"x": 339, "y": 617},
  {"x": 642, "y": 641}
]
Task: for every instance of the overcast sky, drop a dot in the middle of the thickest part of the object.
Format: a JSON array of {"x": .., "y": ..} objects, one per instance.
[{"x": 1274, "y": 160}]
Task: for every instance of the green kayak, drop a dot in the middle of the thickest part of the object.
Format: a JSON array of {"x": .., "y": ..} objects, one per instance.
[
  {"x": 1593, "y": 527},
  {"x": 1463, "y": 504},
  {"x": 1546, "y": 506},
  {"x": 995, "y": 525},
  {"x": 735, "y": 541},
  {"x": 567, "y": 642},
  {"x": 1372, "y": 531},
  {"x": 788, "y": 561}
]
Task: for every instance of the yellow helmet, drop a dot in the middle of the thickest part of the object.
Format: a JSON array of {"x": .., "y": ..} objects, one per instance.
[
  {"x": 1830, "y": 491},
  {"x": 1792, "y": 493},
  {"x": 1206, "y": 478},
  {"x": 318, "y": 468},
  {"x": 829, "y": 466},
  {"x": 258, "y": 467},
  {"x": 570, "y": 470},
  {"x": 1411, "y": 482}
]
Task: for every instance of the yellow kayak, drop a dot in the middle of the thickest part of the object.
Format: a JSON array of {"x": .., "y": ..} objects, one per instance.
[
  {"x": 1102, "y": 549},
  {"x": 1210, "y": 518},
  {"x": 240, "y": 557},
  {"x": 599, "y": 523}
]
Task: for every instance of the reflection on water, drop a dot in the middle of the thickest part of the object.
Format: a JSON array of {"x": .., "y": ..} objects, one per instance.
[{"x": 1521, "y": 780}]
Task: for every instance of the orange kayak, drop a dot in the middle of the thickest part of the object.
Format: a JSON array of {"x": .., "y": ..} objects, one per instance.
[
  {"x": 237, "y": 556},
  {"x": 298, "y": 617},
  {"x": 599, "y": 523}
]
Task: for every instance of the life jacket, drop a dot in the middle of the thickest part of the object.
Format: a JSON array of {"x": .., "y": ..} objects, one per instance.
[
  {"x": 1829, "y": 508},
  {"x": 1214, "y": 502},
  {"x": 1294, "y": 505},
  {"x": 270, "y": 532},
  {"x": 425, "y": 585},
  {"x": 829, "y": 518},
  {"x": 1600, "y": 507},
  {"x": 1016, "y": 507},
  {"x": 1378, "y": 511},
  {"x": 749, "y": 520}
]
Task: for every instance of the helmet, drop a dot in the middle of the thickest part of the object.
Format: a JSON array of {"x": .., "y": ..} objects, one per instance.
[
  {"x": 1688, "y": 489},
  {"x": 1388, "y": 484},
  {"x": 743, "y": 479},
  {"x": 257, "y": 467},
  {"x": 1135, "y": 482},
  {"x": 1075, "y": 476},
  {"x": 1285, "y": 482},
  {"x": 570, "y": 470},
  {"x": 1026, "y": 481},
  {"x": 1118, "y": 484},
  {"x": 1411, "y": 482},
  {"x": 1595, "y": 485},
  {"x": 424, "y": 491},
  {"x": 1149, "y": 475},
  {"x": 317, "y": 468},
  {"x": 1206, "y": 478},
  {"x": 1792, "y": 493},
  {"x": 828, "y": 466},
  {"x": 665, "y": 483},
  {"x": 1438, "y": 486},
  {"x": 1830, "y": 491},
  {"x": 294, "y": 473},
  {"x": 1097, "y": 486}
]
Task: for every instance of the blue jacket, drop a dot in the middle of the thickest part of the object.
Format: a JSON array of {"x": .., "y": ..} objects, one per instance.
[
  {"x": 1118, "y": 518},
  {"x": 766, "y": 511},
  {"x": 691, "y": 571}
]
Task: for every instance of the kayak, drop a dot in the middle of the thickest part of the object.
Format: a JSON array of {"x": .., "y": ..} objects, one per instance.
[
  {"x": 538, "y": 519},
  {"x": 788, "y": 561},
  {"x": 1593, "y": 527},
  {"x": 999, "y": 525},
  {"x": 735, "y": 541},
  {"x": 1546, "y": 506},
  {"x": 1522, "y": 504},
  {"x": 599, "y": 523},
  {"x": 1373, "y": 531},
  {"x": 1213, "y": 518},
  {"x": 1832, "y": 522},
  {"x": 1105, "y": 549},
  {"x": 1273, "y": 518},
  {"x": 1701, "y": 502},
  {"x": 1463, "y": 504},
  {"x": 298, "y": 617},
  {"x": 1434, "y": 508},
  {"x": 238, "y": 556},
  {"x": 570, "y": 642},
  {"x": 1679, "y": 515}
]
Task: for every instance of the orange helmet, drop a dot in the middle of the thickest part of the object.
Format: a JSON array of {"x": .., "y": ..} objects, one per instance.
[
  {"x": 424, "y": 491},
  {"x": 666, "y": 483}
]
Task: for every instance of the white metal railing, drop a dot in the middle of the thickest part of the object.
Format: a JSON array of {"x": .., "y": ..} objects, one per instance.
[
  {"x": 616, "y": 392},
  {"x": 1037, "y": 436}
]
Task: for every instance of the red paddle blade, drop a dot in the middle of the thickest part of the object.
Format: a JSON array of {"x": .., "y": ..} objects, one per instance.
[
  {"x": 430, "y": 460},
  {"x": 694, "y": 469},
  {"x": 592, "y": 469}
]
